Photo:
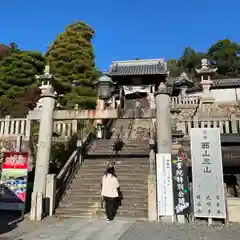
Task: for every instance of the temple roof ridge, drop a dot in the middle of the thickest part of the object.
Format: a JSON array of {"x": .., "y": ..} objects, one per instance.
[
  {"x": 138, "y": 67},
  {"x": 138, "y": 62}
]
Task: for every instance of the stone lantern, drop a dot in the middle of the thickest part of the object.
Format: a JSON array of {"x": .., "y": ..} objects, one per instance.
[
  {"x": 105, "y": 87},
  {"x": 207, "y": 99},
  {"x": 205, "y": 72}
]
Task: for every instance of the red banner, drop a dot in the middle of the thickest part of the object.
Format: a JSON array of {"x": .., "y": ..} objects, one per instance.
[{"x": 15, "y": 160}]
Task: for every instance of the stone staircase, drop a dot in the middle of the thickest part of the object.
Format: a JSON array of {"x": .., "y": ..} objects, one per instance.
[
  {"x": 82, "y": 198},
  {"x": 104, "y": 147},
  {"x": 140, "y": 129},
  {"x": 121, "y": 127}
]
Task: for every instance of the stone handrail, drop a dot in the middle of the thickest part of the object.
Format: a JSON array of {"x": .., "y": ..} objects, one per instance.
[
  {"x": 22, "y": 126},
  {"x": 15, "y": 126},
  {"x": 226, "y": 125},
  {"x": 68, "y": 171},
  {"x": 179, "y": 100}
]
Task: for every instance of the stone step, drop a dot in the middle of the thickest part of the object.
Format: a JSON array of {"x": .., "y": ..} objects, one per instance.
[
  {"x": 124, "y": 150},
  {"x": 125, "y": 204},
  {"x": 96, "y": 198},
  {"x": 142, "y": 169},
  {"x": 92, "y": 154},
  {"x": 118, "y": 161},
  {"x": 126, "y": 144},
  {"x": 135, "y": 172},
  {"x": 109, "y": 152},
  {"x": 100, "y": 216},
  {"x": 97, "y": 192},
  {"x": 118, "y": 169},
  {"x": 119, "y": 166},
  {"x": 76, "y": 212},
  {"x": 123, "y": 179},
  {"x": 91, "y": 186},
  {"x": 132, "y": 143}
]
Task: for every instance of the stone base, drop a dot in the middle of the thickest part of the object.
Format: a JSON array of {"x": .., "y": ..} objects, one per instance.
[
  {"x": 233, "y": 209},
  {"x": 167, "y": 219},
  {"x": 152, "y": 198},
  {"x": 180, "y": 219}
]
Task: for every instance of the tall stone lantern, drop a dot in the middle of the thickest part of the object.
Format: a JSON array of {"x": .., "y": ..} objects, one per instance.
[
  {"x": 206, "y": 100},
  {"x": 48, "y": 101},
  {"x": 205, "y": 72},
  {"x": 105, "y": 87}
]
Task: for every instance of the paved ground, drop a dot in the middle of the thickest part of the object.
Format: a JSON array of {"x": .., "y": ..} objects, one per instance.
[
  {"x": 156, "y": 231},
  {"x": 82, "y": 229}
]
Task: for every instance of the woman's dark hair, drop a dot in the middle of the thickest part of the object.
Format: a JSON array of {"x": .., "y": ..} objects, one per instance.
[{"x": 111, "y": 171}]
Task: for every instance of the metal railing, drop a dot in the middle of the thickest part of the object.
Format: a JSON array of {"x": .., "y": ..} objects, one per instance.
[{"x": 71, "y": 167}]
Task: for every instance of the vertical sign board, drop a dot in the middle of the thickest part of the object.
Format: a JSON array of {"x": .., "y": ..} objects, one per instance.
[
  {"x": 207, "y": 173},
  {"x": 164, "y": 185},
  {"x": 14, "y": 181},
  {"x": 180, "y": 185}
]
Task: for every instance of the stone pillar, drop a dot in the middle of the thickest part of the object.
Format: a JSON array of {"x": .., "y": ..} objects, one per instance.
[
  {"x": 44, "y": 142},
  {"x": 163, "y": 120},
  {"x": 164, "y": 126},
  {"x": 7, "y": 123},
  {"x": 113, "y": 102}
]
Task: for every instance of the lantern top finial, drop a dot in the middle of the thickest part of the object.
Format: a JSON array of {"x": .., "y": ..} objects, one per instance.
[
  {"x": 46, "y": 74},
  {"x": 205, "y": 68},
  {"x": 105, "y": 78}
]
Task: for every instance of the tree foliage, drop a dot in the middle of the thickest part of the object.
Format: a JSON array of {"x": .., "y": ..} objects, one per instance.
[
  {"x": 72, "y": 62},
  {"x": 7, "y": 50},
  {"x": 223, "y": 54},
  {"x": 18, "y": 85},
  {"x": 20, "y": 106}
]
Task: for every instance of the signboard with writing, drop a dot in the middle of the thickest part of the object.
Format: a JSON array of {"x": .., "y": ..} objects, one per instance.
[
  {"x": 14, "y": 181},
  {"x": 164, "y": 185},
  {"x": 180, "y": 185},
  {"x": 207, "y": 173}
]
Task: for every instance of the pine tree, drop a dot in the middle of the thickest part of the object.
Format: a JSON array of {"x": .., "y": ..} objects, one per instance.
[
  {"x": 72, "y": 62},
  {"x": 17, "y": 72}
]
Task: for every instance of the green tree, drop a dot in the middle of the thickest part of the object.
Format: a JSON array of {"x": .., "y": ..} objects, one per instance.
[
  {"x": 190, "y": 60},
  {"x": 20, "y": 106},
  {"x": 72, "y": 62},
  {"x": 224, "y": 54},
  {"x": 6, "y": 50},
  {"x": 18, "y": 85},
  {"x": 174, "y": 69},
  {"x": 17, "y": 72}
]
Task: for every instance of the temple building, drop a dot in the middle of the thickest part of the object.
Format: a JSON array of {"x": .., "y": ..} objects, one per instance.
[
  {"x": 138, "y": 79},
  {"x": 145, "y": 75}
]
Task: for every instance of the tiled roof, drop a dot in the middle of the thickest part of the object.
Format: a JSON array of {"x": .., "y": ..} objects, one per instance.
[
  {"x": 228, "y": 82},
  {"x": 218, "y": 83},
  {"x": 138, "y": 67}
]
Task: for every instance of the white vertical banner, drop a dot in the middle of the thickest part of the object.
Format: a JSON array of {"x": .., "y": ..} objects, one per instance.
[
  {"x": 207, "y": 173},
  {"x": 164, "y": 185}
]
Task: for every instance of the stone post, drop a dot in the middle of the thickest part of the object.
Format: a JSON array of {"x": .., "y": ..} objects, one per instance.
[
  {"x": 164, "y": 128},
  {"x": 7, "y": 125},
  {"x": 75, "y": 122},
  {"x": 152, "y": 185},
  {"x": 44, "y": 140},
  {"x": 163, "y": 120}
]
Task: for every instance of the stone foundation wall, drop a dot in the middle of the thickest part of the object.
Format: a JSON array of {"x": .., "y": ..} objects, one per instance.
[{"x": 234, "y": 209}]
